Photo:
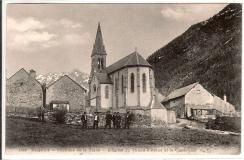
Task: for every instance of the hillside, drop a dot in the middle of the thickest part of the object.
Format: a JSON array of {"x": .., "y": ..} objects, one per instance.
[
  {"x": 78, "y": 76},
  {"x": 208, "y": 52}
]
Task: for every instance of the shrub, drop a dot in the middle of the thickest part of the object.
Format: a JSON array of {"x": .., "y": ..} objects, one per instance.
[
  {"x": 225, "y": 124},
  {"x": 60, "y": 115}
]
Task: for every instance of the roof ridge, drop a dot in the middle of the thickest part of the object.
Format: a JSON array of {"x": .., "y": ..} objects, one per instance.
[
  {"x": 17, "y": 72},
  {"x": 131, "y": 60},
  {"x": 70, "y": 79},
  {"x": 26, "y": 73},
  {"x": 180, "y": 91}
]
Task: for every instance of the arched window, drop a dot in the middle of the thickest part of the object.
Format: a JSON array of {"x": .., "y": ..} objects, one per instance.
[
  {"x": 106, "y": 92},
  {"x": 94, "y": 88},
  {"x": 101, "y": 63},
  {"x": 122, "y": 84},
  {"x": 144, "y": 82},
  {"x": 132, "y": 82},
  {"x": 116, "y": 84}
]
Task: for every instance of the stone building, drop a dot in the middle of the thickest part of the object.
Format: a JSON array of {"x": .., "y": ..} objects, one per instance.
[
  {"x": 23, "y": 91},
  {"x": 68, "y": 90},
  {"x": 127, "y": 84},
  {"x": 194, "y": 100}
]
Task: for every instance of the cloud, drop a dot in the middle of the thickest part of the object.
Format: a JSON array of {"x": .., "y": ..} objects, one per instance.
[
  {"x": 25, "y": 33},
  {"x": 28, "y": 34},
  {"x": 191, "y": 12},
  {"x": 70, "y": 24},
  {"x": 75, "y": 39},
  {"x": 24, "y": 25}
]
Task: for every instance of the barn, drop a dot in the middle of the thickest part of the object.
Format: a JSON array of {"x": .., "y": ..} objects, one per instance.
[
  {"x": 195, "y": 101},
  {"x": 23, "y": 92},
  {"x": 69, "y": 91}
]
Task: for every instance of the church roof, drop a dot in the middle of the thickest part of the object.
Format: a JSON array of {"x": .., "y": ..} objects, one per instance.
[
  {"x": 103, "y": 78},
  {"x": 133, "y": 59},
  {"x": 180, "y": 92},
  {"x": 98, "y": 47}
]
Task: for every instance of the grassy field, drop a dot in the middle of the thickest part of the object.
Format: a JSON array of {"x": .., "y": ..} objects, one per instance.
[{"x": 26, "y": 133}]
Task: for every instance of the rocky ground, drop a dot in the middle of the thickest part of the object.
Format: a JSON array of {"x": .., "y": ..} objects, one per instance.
[{"x": 26, "y": 133}]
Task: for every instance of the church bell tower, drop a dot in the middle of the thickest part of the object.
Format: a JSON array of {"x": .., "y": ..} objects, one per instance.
[{"x": 98, "y": 56}]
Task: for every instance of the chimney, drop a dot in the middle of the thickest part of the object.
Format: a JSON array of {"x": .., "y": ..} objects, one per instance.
[
  {"x": 225, "y": 98},
  {"x": 32, "y": 73}
]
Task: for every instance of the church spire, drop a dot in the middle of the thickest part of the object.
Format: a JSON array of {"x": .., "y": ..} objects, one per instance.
[
  {"x": 98, "y": 56},
  {"x": 98, "y": 47}
]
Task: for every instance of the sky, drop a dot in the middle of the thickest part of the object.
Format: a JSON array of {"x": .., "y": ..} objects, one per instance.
[{"x": 59, "y": 37}]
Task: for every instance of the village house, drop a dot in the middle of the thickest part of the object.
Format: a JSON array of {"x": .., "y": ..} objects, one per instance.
[
  {"x": 66, "y": 93},
  {"x": 194, "y": 101},
  {"x": 127, "y": 84},
  {"x": 23, "y": 92}
]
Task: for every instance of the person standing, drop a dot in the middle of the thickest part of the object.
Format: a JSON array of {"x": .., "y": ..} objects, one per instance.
[
  {"x": 127, "y": 120},
  {"x": 118, "y": 120},
  {"x": 84, "y": 120},
  {"x": 114, "y": 120},
  {"x": 96, "y": 121},
  {"x": 108, "y": 119}
]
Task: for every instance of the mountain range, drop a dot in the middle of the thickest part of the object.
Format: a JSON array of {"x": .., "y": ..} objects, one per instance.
[
  {"x": 80, "y": 77},
  {"x": 208, "y": 52}
]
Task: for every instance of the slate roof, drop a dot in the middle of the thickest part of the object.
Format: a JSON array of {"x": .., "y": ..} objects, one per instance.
[
  {"x": 133, "y": 59},
  {"x": 98, "y": 47},
  {"x": 159, "y": 95},
  {"x": 103, "y": 78},
  {"x": 156, "y": 104},
  {"x": 59, "y": 102},
  {"x": 180, "y": 92}
]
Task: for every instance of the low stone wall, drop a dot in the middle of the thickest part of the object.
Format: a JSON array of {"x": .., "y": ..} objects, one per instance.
[
  {"x": 141, "y": 118},
  {"x": 25, "y": 112},
  {"x": 138, "y": 120},
  {"x": 21, "y": 115},
  {"x": 75, "y": 119}
]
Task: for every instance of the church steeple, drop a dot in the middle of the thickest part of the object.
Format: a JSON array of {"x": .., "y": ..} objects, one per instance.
[
  {"x": 98, "y": 47},
  {"x": 98, "y": 56}
]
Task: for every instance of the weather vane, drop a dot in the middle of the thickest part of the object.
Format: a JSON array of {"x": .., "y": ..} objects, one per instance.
[{"x": 135, "y": 49}]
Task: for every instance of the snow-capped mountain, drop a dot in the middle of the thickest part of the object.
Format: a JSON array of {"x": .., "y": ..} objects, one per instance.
[{"x": 80, "y": 77}]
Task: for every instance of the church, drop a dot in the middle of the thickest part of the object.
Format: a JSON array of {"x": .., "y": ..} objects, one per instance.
[{"x": 127, "y": 84}]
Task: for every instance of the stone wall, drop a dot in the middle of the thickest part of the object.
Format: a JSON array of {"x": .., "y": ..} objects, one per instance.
[
  {"x": 65, "y": 89},
  {"x": 141, "y": 118},
  {"x": 22, "y": 91},
  {"x": 138, "y": 120}
]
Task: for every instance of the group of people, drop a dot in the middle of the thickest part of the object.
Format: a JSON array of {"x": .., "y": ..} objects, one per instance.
[{"x": 110, "y": 119}]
